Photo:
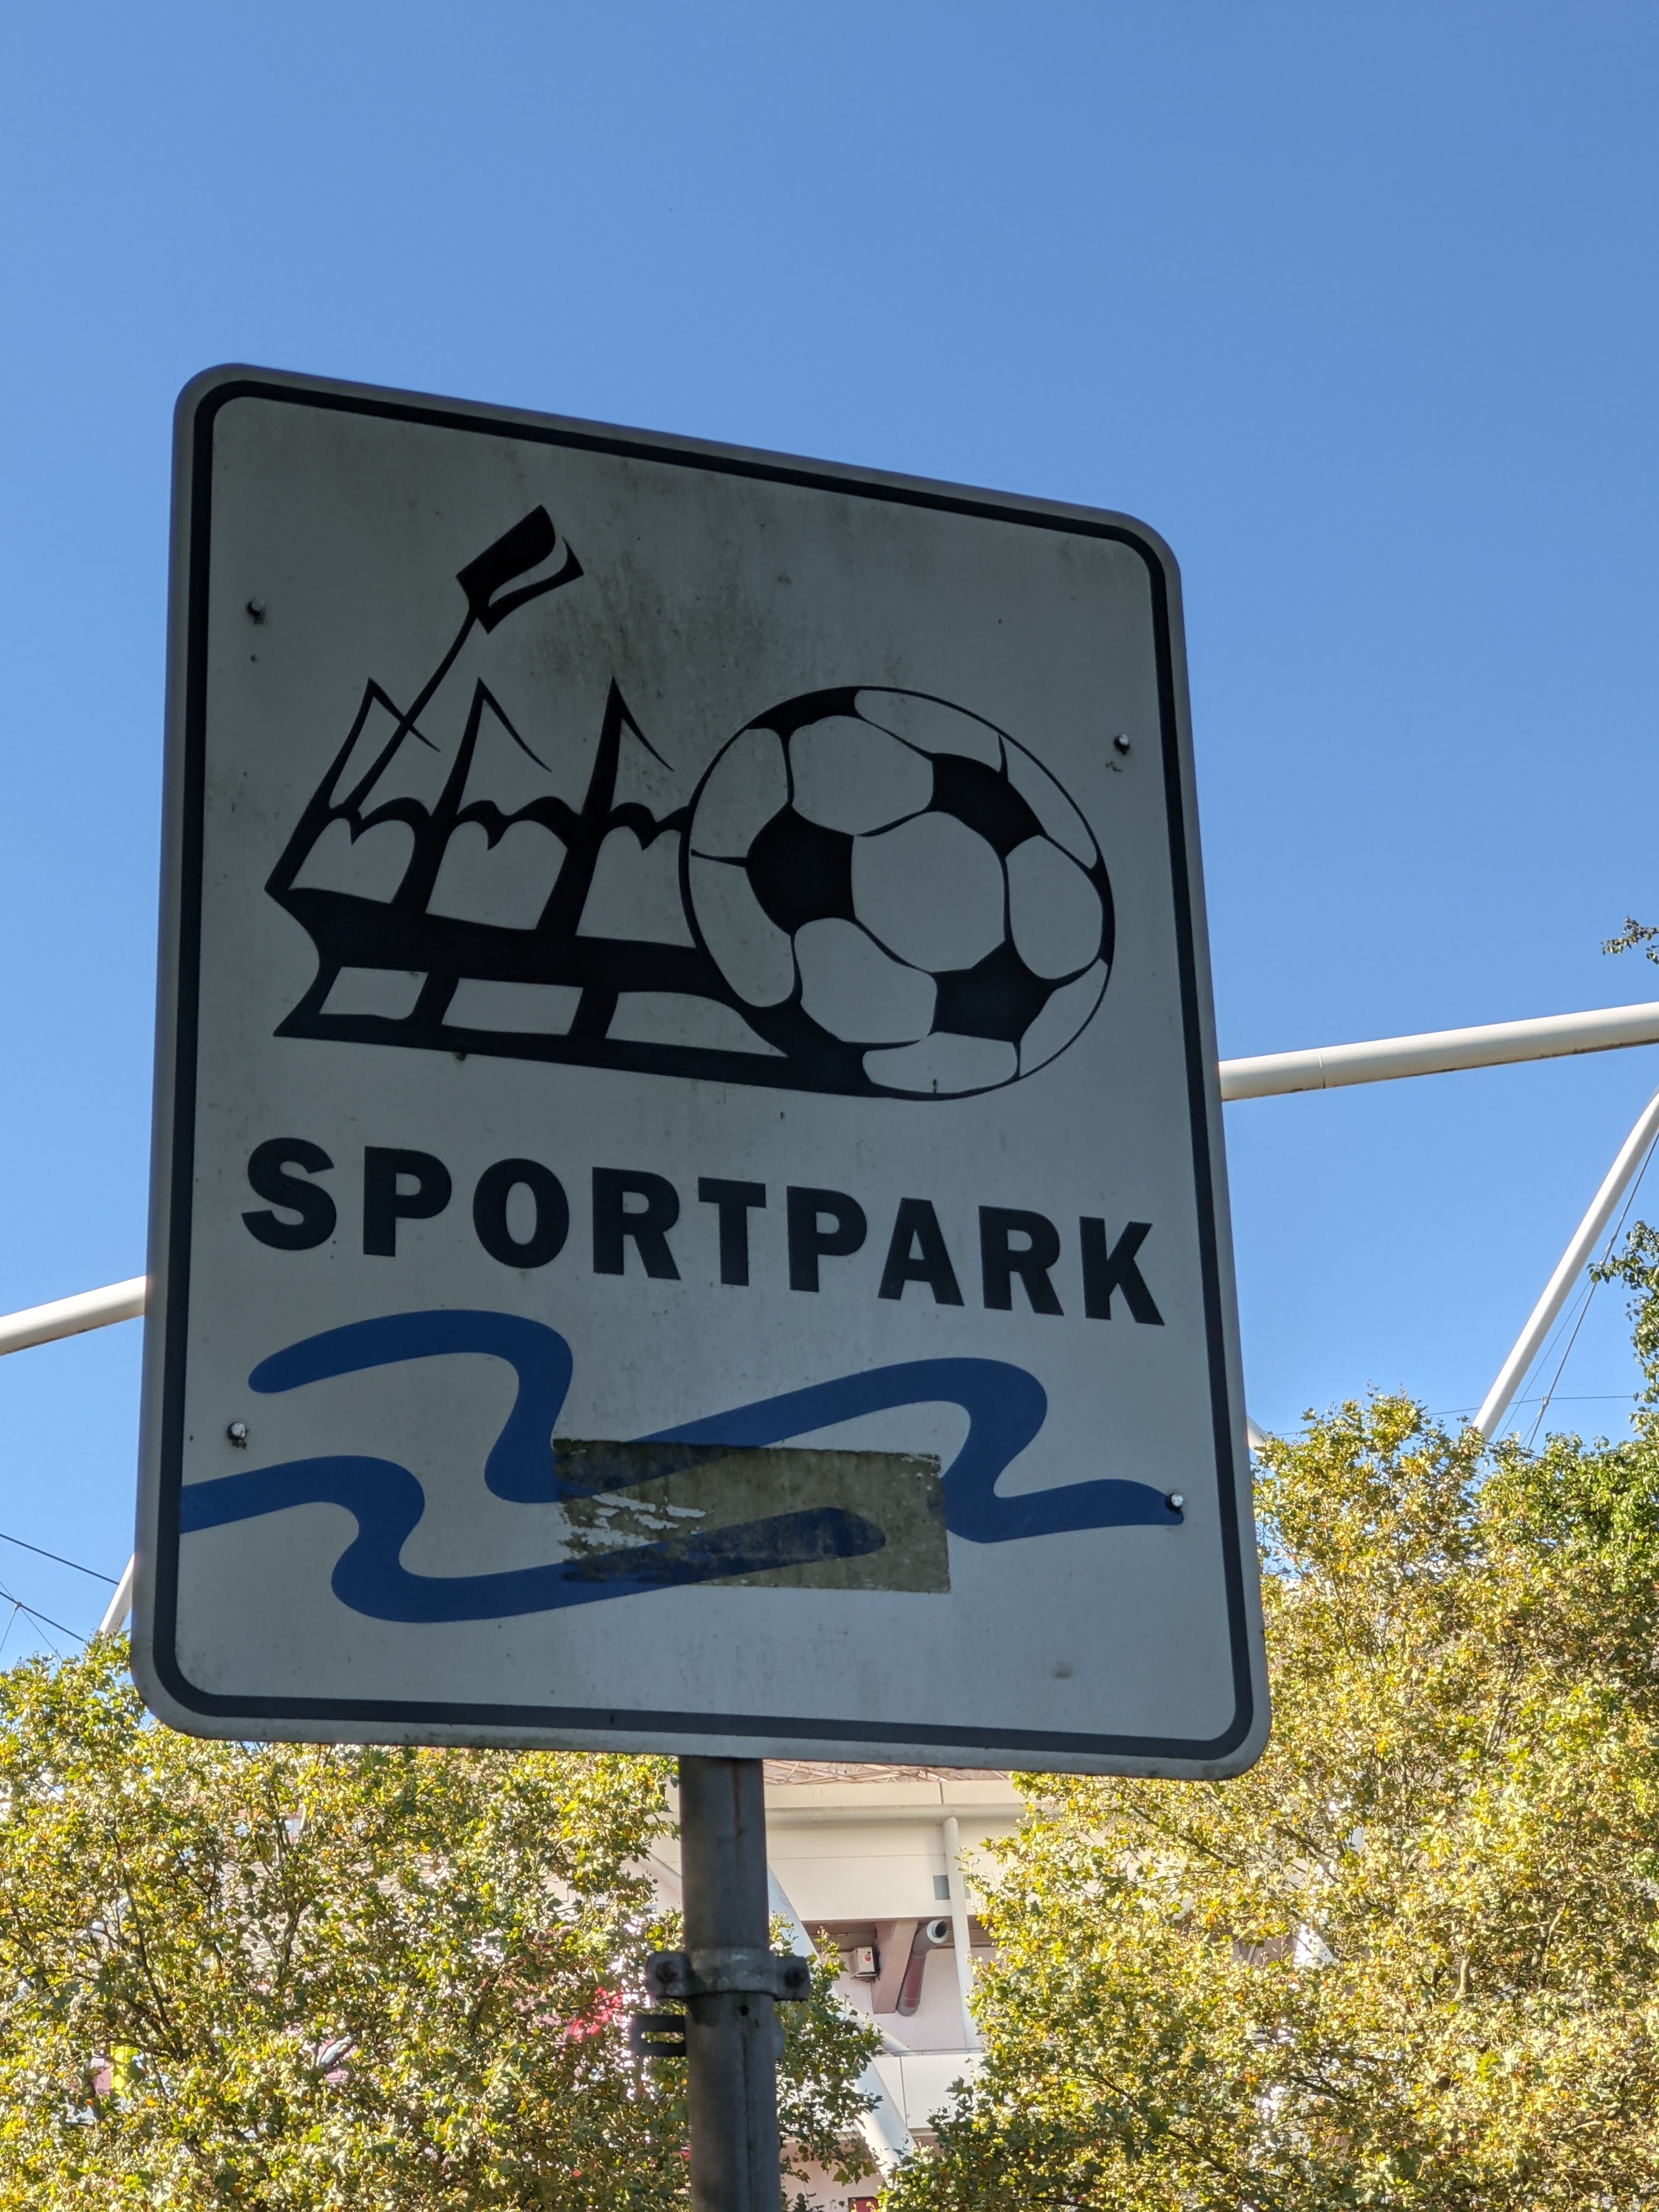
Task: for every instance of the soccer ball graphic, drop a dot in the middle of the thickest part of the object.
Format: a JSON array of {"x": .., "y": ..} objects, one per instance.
[{"x": 900, "y": 897}]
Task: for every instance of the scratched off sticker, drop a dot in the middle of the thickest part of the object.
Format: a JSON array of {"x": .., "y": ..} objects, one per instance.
[{"x": 886, "y": 1510}]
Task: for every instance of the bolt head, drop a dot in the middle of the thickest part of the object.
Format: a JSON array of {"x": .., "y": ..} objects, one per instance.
[
  {"x": 237, "y": 1432},
  {"x": 1121, "y": 743},
  {"x": 256, "y": 609},
  {"x": 1176, "y": 1501}
]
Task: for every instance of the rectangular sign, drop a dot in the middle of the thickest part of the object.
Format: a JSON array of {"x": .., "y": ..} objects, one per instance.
[{"x": 689, "y": 1209}]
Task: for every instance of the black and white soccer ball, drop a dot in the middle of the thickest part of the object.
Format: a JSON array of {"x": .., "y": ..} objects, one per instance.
[{"x": 900, "y": 897}]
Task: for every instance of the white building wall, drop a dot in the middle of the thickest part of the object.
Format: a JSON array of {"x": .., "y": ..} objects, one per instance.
[{"x": 861, "y": 1851}]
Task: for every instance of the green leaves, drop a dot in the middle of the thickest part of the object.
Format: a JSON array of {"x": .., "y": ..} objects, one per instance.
[
  {"x": 291, "y": 1976},
  {"x": 1409, "y": 1960}
]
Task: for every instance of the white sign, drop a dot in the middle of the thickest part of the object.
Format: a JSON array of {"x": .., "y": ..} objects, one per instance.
[{"x": 689, "y": 1205}]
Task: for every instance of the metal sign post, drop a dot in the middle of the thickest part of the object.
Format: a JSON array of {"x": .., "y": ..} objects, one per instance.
[
  {"x": 731, "y": 1980},
  {"x": 687, "y": 1210}
]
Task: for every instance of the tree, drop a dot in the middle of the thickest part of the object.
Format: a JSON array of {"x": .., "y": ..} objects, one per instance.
[
  {"x": 302, "y": 1978},
  {"x": 1412, "y": 1959}
]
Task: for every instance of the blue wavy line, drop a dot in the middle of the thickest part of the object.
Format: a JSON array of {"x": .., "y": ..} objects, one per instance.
[{"x": 1006, "y": 1407}]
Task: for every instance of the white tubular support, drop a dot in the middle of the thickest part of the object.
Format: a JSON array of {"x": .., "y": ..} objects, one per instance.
[
  {"x": 1437, "y": 1052},
  {"x": 882, "y": 2128},
  {"x": 69, "y": 1317},
  {"x": 1619, "y": 1176},
  {"x": 116, "y": 1612},
  {"x": 1269, "y": 1075}
]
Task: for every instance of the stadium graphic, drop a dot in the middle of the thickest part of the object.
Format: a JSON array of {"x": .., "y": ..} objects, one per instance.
[{"x": 869, "y": 891}]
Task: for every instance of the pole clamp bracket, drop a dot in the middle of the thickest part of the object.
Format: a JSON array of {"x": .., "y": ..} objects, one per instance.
[{"x": 734, "y": 1970}]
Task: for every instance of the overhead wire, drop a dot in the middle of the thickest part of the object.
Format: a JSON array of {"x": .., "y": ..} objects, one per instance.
[
  {"x": 1591, "y": 1286},
  {"x": 45, "y": 1619},
  {"x": 1576, "y": 1315},
  {"x": 40, "y": 1553},
  {"x": 1569, "y": 1318},
  {"x": 34, "y": 1611},
  {"x": 1562, "y": 1398}
]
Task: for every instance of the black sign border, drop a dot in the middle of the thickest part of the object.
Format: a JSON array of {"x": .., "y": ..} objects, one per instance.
[{"x": 461, "y": 1721}]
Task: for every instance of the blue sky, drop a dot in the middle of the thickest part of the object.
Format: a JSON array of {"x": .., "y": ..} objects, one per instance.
[{"x": 1356, "y": 306}]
